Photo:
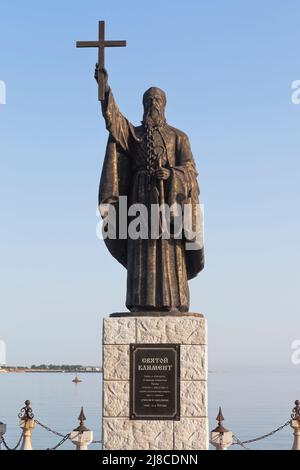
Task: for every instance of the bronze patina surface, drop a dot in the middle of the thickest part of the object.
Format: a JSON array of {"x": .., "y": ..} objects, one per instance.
[
  {"x": 150, "y": 164},
  {"x": 101, "y": 44}
]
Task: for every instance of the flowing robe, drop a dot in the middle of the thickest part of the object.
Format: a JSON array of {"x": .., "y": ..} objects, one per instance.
[{"x": 157, "y": 269}]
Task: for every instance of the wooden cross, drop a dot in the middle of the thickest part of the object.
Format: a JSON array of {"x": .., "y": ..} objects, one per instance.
[{"x": 101, "y": 44}]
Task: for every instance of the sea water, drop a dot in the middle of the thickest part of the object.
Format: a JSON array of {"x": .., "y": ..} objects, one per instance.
[{"x": 253, "y": 404}]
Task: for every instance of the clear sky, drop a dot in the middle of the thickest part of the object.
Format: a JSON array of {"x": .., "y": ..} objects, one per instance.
[{"x": 227, "y": 68}]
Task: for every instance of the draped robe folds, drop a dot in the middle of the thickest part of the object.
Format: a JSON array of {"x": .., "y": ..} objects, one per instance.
[{"x": 157, "y": 269}]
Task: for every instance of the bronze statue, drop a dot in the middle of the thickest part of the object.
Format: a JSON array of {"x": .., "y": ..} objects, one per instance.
[
  {"x": 137, "y": 161},
  {"x": 150, "y": 164}
]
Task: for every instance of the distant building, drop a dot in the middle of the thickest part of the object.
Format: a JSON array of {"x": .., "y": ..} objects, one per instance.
[{"x": 2, "y": 353}]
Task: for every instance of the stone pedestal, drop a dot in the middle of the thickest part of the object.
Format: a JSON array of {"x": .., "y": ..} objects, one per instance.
[
  {"x": 27, "y": 425},
  {"x": 191, "y": 430},
  {"x": 82, "y": 439},
  {"x": 295, "y": 424}
]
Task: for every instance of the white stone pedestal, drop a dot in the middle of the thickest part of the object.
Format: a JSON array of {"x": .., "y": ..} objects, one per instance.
[
  {"x": 27, "y": 425},
  {"x": 191, "y": 431},
  {"x": 82, "y": 439}
]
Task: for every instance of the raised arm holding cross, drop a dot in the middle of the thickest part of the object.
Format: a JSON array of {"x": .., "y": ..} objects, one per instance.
[{"x": 101, "y": 44}]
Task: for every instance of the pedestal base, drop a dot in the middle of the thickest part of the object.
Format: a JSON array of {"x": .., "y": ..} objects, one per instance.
[{"x": 122, "y": 433}]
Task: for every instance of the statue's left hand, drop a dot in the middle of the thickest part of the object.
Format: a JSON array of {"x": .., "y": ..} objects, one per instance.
[{"x": 162, "y": 173}]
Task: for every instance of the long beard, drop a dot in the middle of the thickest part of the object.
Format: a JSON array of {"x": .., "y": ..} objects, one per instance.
[{"x": 153, "y": 117}]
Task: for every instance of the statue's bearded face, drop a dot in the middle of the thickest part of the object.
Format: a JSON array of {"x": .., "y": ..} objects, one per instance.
[{"x": 154, "y": 102}]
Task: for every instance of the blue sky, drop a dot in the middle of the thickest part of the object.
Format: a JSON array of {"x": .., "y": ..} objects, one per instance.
[{"x": 227, "y": 68}]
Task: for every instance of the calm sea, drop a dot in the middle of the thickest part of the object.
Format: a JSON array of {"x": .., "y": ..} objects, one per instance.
[{"x": 253, "y": 404}]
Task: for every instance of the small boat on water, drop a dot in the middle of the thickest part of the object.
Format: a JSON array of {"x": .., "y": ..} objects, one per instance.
[{"x": 76, "y": 380}]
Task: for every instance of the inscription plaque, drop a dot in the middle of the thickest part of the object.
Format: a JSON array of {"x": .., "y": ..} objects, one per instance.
[{"x": 155, "y": 381}]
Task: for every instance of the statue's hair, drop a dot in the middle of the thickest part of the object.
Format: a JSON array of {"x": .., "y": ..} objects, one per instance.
[{"x": 155, "y": 90}]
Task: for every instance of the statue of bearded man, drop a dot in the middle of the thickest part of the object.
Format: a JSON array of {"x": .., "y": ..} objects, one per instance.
[{"x": 151, "y": 164}]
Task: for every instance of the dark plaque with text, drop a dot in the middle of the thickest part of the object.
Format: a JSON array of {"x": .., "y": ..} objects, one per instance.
[{"x": 155, "y": 381}]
